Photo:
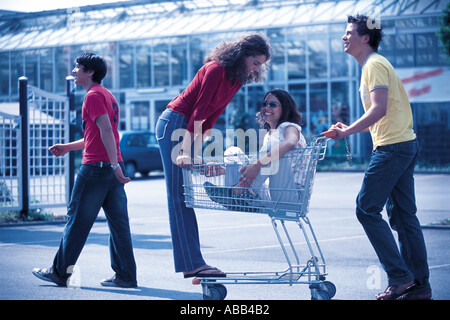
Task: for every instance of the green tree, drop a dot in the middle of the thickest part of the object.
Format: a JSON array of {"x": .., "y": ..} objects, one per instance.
[{"x": 444, "y": 31}]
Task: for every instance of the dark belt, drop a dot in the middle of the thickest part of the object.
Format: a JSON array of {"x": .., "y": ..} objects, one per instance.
[
  {"x": 397, "y": 144},
  {"x": 101, "y": 164}
]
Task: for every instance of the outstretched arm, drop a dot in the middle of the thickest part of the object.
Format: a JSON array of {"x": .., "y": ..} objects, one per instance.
[
  {"x": 61, "y": 149},
  {"x": 379, "y": 98}
]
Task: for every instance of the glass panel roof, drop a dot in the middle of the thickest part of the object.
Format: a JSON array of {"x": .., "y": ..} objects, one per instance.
[{"x": 158, "y": 18}]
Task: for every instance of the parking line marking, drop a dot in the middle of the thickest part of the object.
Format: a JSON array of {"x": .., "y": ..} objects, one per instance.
[
  {"x": 277, "y": 245},
  {"x": 440, "y": 266}
]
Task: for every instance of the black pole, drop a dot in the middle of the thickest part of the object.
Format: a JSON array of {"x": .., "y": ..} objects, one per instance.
[
  {"x": 23, "y": 105},
  {"x": 72, "y": 127}
]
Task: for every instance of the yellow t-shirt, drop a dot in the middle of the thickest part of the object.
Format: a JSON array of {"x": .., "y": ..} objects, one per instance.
[{"x": 397, "y": 125}]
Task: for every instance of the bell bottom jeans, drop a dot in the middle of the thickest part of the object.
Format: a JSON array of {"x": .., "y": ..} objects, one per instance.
[
  {"x": 183, "y": 222},
  {"x": 389, "y": 181},
  {"x": 97, "y": 187}
]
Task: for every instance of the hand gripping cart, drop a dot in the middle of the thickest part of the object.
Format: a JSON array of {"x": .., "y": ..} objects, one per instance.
[{"x": 284, "y": 197}]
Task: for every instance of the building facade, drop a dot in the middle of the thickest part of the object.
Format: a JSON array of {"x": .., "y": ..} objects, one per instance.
[{"x": 154, "y": 48}]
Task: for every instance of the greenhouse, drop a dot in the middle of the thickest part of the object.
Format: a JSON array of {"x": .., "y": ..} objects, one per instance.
[{"x": 154, "y": 48}]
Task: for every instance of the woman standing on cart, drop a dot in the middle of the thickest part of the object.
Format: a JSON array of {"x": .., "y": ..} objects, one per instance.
[{"x": 196, "y": 109}]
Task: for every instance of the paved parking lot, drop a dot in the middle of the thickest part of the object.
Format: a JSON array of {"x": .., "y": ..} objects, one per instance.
[{"x": 231, "y": 241}]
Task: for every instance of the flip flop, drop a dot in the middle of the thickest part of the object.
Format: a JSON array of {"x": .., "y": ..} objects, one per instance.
[{"x": 201, "y": 274}]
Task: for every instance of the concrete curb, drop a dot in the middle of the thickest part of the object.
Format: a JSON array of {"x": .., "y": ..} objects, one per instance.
[{"x": 37, "y": 223}]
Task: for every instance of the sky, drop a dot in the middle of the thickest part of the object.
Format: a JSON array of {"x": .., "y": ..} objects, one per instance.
[{"x": 44, "y": 5}]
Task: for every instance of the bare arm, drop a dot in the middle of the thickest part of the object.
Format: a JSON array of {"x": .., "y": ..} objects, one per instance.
[
  {"x": 249, "y": 172},
  {"x": 379, "y": 98},
  {"x": 290, "y": 141},
  {"x": 59, "y": 150},
  {"x": 109, "y": 142}
]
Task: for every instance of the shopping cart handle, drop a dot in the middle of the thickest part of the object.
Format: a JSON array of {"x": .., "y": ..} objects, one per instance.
[{"x": 330, "y": 133}]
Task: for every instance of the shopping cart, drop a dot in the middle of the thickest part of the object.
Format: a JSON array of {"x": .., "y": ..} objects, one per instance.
[{"x": 284, "y": 197}]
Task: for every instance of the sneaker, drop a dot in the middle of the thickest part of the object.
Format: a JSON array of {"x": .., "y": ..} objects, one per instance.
[
  {"x": 220, "y": 195},
  {"x": 49, "y": 276},
  {"x": 224, "y": 196},
  {"x": 116, "y": 282},
  {"x": 247, "y": 202}
]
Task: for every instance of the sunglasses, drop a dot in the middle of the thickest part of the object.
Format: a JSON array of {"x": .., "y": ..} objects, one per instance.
[{"x": 271, "y": 104}]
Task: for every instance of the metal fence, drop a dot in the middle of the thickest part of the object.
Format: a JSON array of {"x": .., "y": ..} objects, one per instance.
[
  {"x": 48, "y": 124},
  {"x": 30, "y": 176},
  {"x": 10, "y": 158}
]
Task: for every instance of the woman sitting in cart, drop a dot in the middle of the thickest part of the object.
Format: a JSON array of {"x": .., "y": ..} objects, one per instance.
[{"x": 280, "y": 116}]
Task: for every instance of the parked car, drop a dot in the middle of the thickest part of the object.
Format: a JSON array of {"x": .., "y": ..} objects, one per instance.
[{"x": 140, "y": 152}]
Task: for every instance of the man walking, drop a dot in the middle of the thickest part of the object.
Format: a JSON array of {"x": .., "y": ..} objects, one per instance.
[
  {"x": 389, "y": 177},
  {"x": 99, "y": 184}
]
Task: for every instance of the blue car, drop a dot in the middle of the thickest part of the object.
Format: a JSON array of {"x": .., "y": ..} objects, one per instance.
[{"x": 140, "y": 152}]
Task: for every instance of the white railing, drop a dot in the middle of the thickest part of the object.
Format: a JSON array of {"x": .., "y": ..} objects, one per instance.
[
  {"x": 48, "y": 124},
  {"x": 10, "y": 159},
  {"x": 47, "y": 178}
]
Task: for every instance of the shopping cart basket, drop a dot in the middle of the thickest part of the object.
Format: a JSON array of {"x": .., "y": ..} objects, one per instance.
[{"x": 284, "y": 197}]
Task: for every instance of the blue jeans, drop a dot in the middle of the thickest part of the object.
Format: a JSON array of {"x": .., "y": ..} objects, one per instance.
[
  {"x": 389, "y": 180},
  {"x": 97, "y": 187},
  {"x": 183, "y": 222}
]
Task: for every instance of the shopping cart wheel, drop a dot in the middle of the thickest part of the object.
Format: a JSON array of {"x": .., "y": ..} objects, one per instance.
[
  {"x": 329, "y": 287},
  {"x": 319, "y": 295},
  {"x": 215, "y": 292}
]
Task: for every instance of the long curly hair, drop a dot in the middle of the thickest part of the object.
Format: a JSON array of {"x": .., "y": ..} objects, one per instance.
[{"x": 231, "y": 55}]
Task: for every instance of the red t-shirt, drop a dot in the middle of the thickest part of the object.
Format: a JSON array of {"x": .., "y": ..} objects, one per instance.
[
  {"x": 98, "y": 101},
  {"x": 206, "y": 97}
]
